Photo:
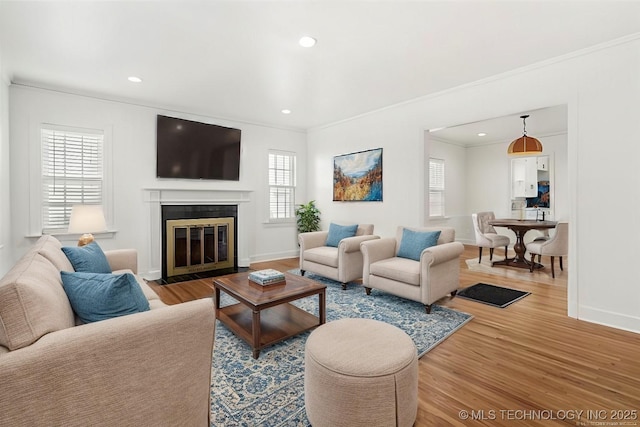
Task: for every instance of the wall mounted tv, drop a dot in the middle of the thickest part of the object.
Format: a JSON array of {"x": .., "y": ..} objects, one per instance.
[{"x": 194, "y": 150}]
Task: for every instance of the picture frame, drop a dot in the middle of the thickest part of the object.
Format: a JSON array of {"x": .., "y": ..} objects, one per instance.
[{"x": 357, "y": 177}]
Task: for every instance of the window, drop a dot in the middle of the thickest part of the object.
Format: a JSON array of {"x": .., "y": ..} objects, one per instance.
[
  {"x": 282, "y": 185},
  {"x": 72, "y": 173},
  {"x": 436, "y": 187}
]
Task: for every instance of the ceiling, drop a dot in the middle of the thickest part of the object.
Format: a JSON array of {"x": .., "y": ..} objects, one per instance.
[
  {"x": 240, "y": 60},
  {"x": 542, "y": 122}
]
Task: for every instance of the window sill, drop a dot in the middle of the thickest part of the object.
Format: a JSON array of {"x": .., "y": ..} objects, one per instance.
[
  {"x": 280, "y": 223},
  {"x": 61, "y": 235}
]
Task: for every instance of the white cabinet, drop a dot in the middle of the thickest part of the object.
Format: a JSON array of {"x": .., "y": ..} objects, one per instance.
[
  {"x": 543, "y": 163},
  {"x": 524, "y": 177}
]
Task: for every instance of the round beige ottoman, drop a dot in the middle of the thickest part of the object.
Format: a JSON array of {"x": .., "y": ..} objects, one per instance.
[{"x": 360, "y": 372}]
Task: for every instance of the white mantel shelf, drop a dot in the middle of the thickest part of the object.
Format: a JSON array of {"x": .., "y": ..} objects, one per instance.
[
  {"x": 171, "y": 196},
  {"x": 155, "y": 198}
]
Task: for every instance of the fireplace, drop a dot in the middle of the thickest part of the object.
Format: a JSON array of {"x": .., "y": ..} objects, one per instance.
[{"x": 198, "y": 239}]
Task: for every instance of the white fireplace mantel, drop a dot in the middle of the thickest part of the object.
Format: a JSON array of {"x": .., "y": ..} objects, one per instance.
[{"x": 154, "y": 198}]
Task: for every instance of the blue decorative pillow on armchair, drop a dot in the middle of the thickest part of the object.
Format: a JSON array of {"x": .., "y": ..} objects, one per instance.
[
  {"x": 339, "y": 232},
  {"x": 414, "y": 242},
  {"x": 95, "y": 296},
  {"x": 88, "y": 258}
]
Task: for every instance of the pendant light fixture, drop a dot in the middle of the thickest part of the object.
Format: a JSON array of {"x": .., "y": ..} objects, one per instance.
[{"x": 525, "y": 144}]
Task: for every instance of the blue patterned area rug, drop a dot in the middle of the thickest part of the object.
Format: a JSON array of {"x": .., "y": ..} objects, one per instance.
[{"x": 270, "y": 391}]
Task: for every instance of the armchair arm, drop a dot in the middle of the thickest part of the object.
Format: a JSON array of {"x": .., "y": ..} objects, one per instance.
[
  {"x": 312, "y": 239},
  {"x": 352, "y": 244},
  {"x": 441, "y": 253},
  {"x": 123, "y": 259},
  {"x": 150, "y": 368},
  {"x": 378, "y": 249},
  {"x": 375, "y": 250},
  {"x": 309, "y": 240}
]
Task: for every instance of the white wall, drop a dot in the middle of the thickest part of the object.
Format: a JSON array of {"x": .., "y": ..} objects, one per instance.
[
  {"x": 455, "y": 172},
  {"x": 132, "y": 130},
  {"x": 6, "y": 260},
  {"x": 601, "y": 88}
]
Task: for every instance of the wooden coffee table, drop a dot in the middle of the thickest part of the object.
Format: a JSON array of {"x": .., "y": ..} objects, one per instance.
[{"x": 263, "y": 315}]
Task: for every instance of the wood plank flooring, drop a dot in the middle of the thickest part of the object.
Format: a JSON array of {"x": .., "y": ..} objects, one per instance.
[{"x": 524, "y": 365}]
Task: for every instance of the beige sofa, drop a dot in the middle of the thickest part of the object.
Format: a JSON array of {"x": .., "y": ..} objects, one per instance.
[
  {"x": 343, "y": 263},
  {"x": 144, "y": 369},
  {"x": 434, "y": 276}
]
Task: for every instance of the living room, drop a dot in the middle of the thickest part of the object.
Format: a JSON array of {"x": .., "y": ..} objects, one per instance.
[{"x": 598, "y": 85}]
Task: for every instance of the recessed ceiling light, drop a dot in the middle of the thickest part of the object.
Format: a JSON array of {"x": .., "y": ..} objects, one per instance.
[
  {"x": 285, "y": 111},
  {"x": 307, "y": 41},
  {"x": 135, "y": 79},
  {"x": 435, "y": 130},
  {"x": 482, "y": 134}
]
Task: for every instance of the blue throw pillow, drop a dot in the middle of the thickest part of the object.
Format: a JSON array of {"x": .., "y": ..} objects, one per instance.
[
  {"x": 339, "y": 232},
  {"x": 95, "y": 296},
  {"x": 88, "y": 258},
  {"x": 414, "y": 242}
]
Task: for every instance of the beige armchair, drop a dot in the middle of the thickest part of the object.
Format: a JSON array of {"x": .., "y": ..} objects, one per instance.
[
  {"x": 342, "y": 263},
  {"x": 486, "y": 236},
  {"x": 556, "y": 246},
  {"x": 435, "y": 275}
]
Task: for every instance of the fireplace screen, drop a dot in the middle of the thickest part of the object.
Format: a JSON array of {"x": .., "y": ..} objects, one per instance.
[{"x": 196, "y": 245}]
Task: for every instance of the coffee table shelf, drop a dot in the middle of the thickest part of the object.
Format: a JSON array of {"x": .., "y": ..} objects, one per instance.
[{"x": 276, "y": 323}]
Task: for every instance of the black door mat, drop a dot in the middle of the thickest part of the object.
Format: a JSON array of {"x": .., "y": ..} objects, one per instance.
[{"x": 492, "y": 295}]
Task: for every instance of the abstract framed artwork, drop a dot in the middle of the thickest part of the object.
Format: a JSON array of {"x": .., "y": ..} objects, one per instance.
[{"x": 358, "y": 176}]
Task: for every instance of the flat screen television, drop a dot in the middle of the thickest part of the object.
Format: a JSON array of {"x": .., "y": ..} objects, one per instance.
[{"x": 194, "y": 150}]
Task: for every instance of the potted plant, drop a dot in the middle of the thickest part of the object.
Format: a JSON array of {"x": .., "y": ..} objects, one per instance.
[{"x": 308, "y": 217}]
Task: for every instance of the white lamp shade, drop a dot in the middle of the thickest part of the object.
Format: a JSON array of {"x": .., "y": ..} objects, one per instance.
[{"x": 87, "y": 219}]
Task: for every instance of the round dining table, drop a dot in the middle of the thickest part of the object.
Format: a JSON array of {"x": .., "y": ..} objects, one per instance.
[{"x": 520, "y": 227}]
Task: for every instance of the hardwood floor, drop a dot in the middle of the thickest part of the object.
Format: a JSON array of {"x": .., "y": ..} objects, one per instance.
[{"x": 524, "y": 365}]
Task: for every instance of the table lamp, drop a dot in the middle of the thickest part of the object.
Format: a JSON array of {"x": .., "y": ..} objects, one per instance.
[{"x": 86, "y": 219}]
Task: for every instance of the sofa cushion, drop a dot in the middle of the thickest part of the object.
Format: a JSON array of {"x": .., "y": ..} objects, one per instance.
[
  {"x": 96, "y": 296},
  {"x": 51, "y": 248},
  {"x": 399, "y": 269},
  {"x": 325, "y": 255},
  {"x": 339, "y": 232},
  {"x": 414, "y": 242},
  {"x": 88, "y": 258},
  {"x": 32, "y": 302}
]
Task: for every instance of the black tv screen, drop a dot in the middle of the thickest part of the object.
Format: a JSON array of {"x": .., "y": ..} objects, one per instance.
[{"x": 194, "y": 150}]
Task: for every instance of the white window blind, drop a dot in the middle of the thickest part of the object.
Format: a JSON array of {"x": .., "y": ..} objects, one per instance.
[
  {"x": 282, "y": 185},
  {"x": 72, "y": 173},
  {"x": 436, "y": 187}
]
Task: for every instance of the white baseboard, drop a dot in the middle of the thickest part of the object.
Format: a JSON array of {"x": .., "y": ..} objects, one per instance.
[
  {"x": 274, "y": 256},
  {"x": 152, "y": 275},
  {"x": 608, "y": 318}
]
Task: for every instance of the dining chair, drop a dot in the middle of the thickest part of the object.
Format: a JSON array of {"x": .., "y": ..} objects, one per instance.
[
  {"x": 486, "y": 235},
  {"x": 542, "y": 238},
  {"x": 556, "y": 246}
]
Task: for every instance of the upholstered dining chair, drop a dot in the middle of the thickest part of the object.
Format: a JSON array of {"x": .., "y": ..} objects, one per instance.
[
  {"x": 486, "y": 235},
  {"x": 542, "y": 238},
  {"x": 556, "y": 246}
]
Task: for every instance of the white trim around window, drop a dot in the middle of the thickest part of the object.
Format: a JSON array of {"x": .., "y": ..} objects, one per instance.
[
  {"x": 436, "y": 188},
  {"x": 281, "y": 181},
  {"x": 69, "y": 165}
]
